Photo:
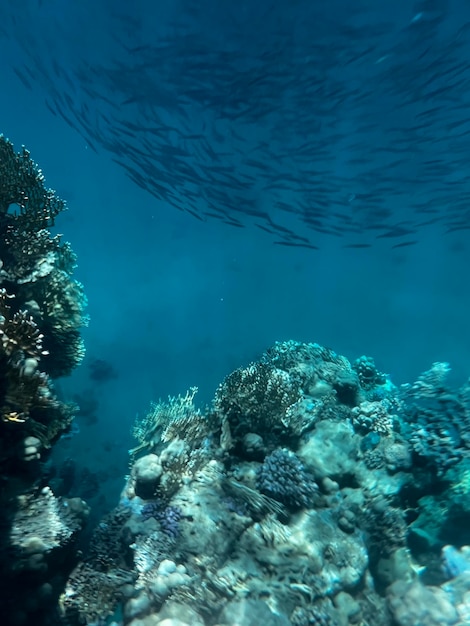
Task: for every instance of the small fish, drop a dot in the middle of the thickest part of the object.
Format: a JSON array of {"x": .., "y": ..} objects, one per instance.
[
  {"x": 453, "y": 229},
  {"x": 395, "y": 233},
  {"x": 195, "y": 214},
  {"x": 293, "y": 244},
  {"x": 403, "y": 244},
  {"x": 23, "y": 78}
]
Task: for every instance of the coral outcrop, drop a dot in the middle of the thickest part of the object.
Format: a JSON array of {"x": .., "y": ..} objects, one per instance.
[
  {"x": 41, "y": 307},
  {"x": 41, "y": 315},
  {"x": 302, "y": 496}
]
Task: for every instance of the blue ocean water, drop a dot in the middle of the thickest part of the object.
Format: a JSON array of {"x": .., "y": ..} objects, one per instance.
[
  {"x": 322, "y": 97},
  {"x": 244, "y": 173}
]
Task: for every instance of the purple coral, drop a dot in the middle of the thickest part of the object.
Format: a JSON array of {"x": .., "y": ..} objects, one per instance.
[
  {"x": 169, "y": 521},
  {"x": 167, "y": 516},
  {"x": 282, "y": 476}
]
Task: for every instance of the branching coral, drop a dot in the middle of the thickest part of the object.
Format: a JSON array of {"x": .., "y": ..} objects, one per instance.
[
  {"x": 282, "y": 476},
  {"x": 436, "y": 419},
  {"x": 430, "y": 384},
  {"x": 36, "y": 267},
  {"x": 26, "y": 392},
  {"x": 41, "y": 314},
  {"x": 41, "y": 306},
  {"x": 256, "y": 399},
  {"x": 369, "y": 376},
  {"x": 167, "y": 516},
  {"x": 176, "y": 418},
  {"x": 309, "y": 363},
  {"x": 373, "y": 417},
  {"x": 22, "y": 184}
]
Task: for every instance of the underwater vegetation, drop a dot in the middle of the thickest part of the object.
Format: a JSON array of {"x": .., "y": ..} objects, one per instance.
[{"x": 311, "y": 491}]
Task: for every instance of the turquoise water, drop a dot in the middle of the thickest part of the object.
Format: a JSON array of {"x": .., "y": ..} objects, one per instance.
[{"x": 242, "y": 174}]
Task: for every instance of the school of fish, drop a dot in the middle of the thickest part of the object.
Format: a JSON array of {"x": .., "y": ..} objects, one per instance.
[{"x": 300, "y": 121}]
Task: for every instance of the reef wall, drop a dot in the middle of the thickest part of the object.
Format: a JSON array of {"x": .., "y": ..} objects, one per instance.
[{"x": 41, "y": 314}]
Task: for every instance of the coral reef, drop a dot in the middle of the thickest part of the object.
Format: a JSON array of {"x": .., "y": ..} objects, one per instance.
[
  {"x": 257, "y": 399},
  {"x": 167, "y": 516},
  {"x": 299, "y": 497},
  {"x": 282, "y": 476},
  {"x": 178, "y": 417},
  {"x": 41, "y": 307},
  {"x": 41, "y": 314}
]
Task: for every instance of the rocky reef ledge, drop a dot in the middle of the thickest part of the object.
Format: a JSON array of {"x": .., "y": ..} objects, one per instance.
[{"x": 312, "y": 492}]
